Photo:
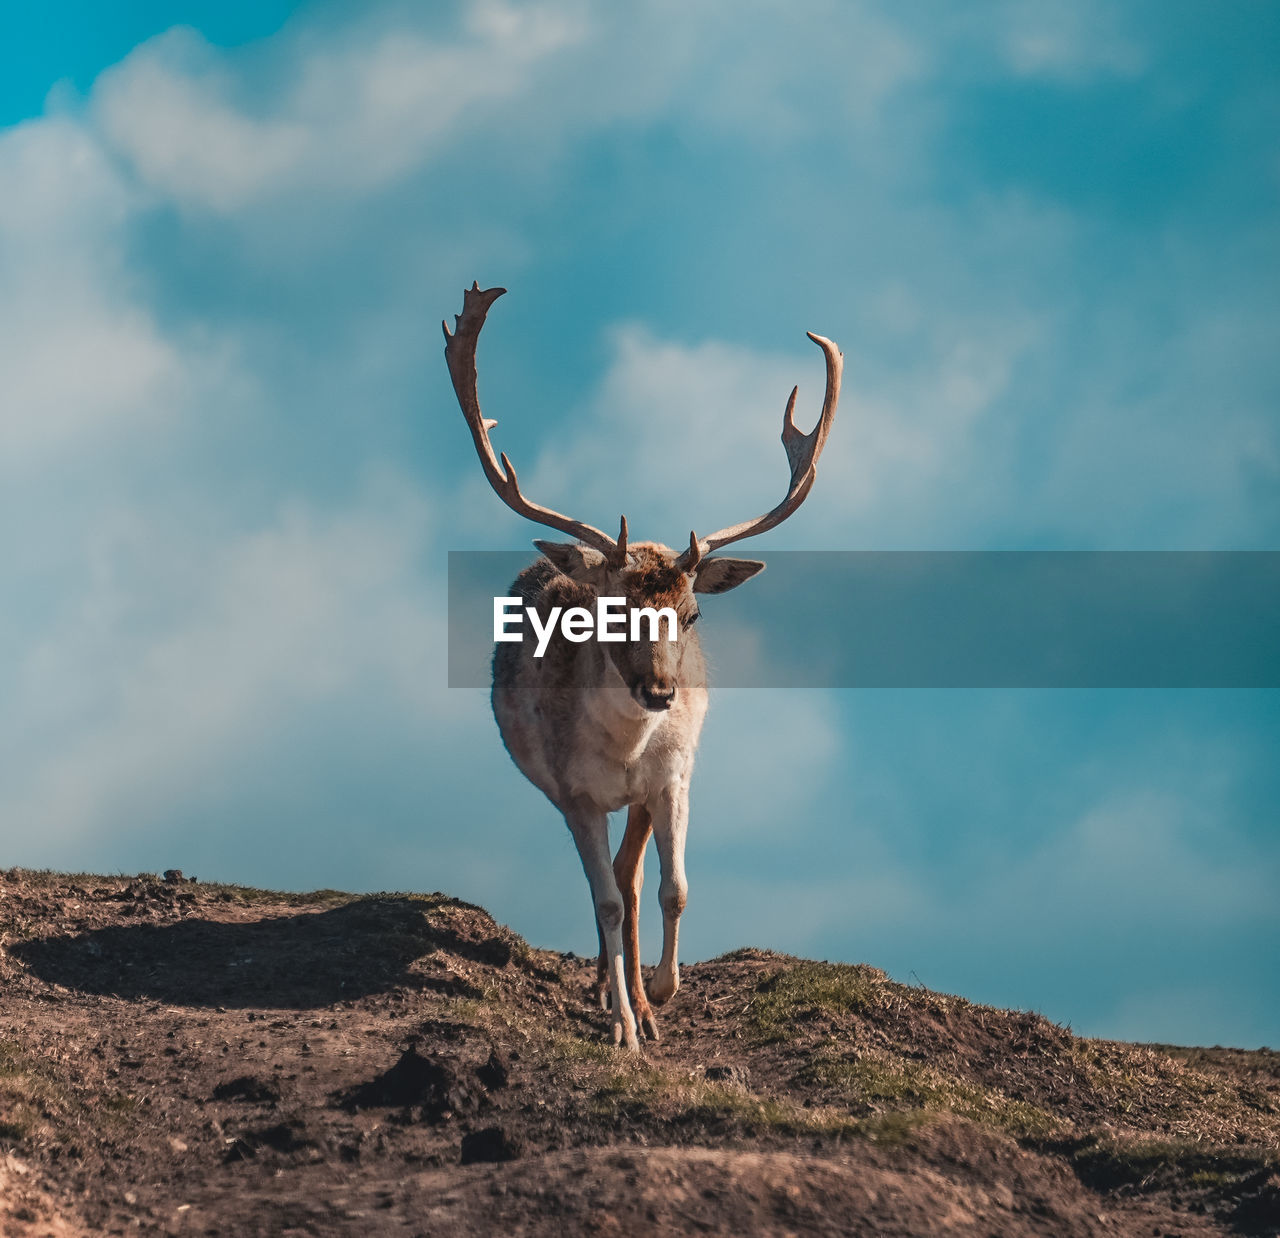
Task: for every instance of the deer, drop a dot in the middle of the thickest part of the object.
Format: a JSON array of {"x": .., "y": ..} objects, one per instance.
[{"x": 600, "y": 727}]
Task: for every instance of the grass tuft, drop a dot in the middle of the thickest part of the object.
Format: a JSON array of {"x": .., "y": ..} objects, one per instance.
[{"x": 809, "y": 989}]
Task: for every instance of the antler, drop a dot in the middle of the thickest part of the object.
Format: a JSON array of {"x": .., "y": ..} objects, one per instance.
[
  {"x": 460, "y": 354},
  {"x": 802, "y": 451}
]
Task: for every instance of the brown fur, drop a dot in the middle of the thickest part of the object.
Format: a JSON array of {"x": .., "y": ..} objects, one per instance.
[{"x": 599, "y": 727}]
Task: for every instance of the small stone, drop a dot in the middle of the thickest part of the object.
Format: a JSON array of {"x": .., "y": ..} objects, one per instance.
[{"x": 729, "y": 1074}]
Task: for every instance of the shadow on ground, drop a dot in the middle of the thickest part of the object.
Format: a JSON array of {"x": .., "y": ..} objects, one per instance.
[{"x": 294, "y": 961}]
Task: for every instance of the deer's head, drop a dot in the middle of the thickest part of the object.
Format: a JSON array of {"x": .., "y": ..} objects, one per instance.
[{"x": 648, "y": 574}]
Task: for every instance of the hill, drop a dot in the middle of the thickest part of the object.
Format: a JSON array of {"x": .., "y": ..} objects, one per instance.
[{"x": 187, "y": 1058}]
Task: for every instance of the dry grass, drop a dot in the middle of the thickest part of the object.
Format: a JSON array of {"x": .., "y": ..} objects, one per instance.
[{"x": 878, "y": 1081}]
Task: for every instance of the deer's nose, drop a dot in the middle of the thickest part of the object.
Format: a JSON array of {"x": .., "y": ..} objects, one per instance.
[{"x": 658, "y": 698}]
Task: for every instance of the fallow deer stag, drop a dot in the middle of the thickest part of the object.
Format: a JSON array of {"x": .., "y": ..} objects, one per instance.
[{"x": 597, "y": 727}]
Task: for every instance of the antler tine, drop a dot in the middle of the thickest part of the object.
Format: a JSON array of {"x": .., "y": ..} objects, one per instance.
[
  {"x": 460, "y": 355},
  {"x": 802, "y": 451},
  {"x": 690, "y": 559},
  {"x": 620, "y": 553}
]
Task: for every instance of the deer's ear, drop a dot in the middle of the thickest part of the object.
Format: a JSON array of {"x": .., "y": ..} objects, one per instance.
[
  {"x": 721, "y": 575},
  {"x": 581, "y": 563}
]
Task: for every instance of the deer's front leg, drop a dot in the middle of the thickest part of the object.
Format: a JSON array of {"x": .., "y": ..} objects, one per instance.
[
  {"x": 628, "y": 872},
  {"x": 590, "y": 830},
  {"x": 670, "y": 814}
]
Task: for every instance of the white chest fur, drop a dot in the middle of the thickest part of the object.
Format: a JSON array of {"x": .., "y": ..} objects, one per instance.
[{"x": 623, "y": 754}]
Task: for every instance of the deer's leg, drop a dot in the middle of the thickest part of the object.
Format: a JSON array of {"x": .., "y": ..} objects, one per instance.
[
  {"x": 590, "y": 831},
  {"x": 670, "y": 813},
  {"x": 628, "y": 871},
  {"x": 600, "y": 990}
]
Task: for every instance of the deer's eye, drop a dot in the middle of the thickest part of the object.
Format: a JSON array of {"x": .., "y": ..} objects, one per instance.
[{"x": 693, "y": 618}]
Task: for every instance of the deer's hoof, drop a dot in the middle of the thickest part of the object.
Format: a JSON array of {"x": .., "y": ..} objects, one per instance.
[
  {"x": 646, "y": 1024},
  {"x": 662, "y": 985},
  {"x": 624, "y": 1036}
]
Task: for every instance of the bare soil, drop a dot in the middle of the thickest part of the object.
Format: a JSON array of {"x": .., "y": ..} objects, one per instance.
[{"x": 185, "y": 1058}]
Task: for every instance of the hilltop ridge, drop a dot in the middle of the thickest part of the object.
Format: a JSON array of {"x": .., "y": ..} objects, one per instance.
[{"x": 189, "y": 1058}]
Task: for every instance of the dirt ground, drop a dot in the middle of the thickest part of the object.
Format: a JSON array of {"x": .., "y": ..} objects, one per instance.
[{"x": 185, "y": 1058}]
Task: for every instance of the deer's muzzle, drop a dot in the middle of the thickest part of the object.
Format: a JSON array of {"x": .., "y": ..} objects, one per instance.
[{"x": 657, "y": 698}]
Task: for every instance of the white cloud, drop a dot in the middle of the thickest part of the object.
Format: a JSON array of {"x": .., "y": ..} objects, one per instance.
[
  {"x": 684, "y": 436},
  {"x": 78, "y": 356},
  {"x": 779, "y": 74},
  {"x": 346, "y": 111},
  {"x": 1176, "y": 436},
  {"x": 1067, "y": 39},
  {"x": 353, "y": 113},
  {"x": 1138, "y": 857},
  {"x": 183, "y": 653},
  {"x": 688, "y": 431}
]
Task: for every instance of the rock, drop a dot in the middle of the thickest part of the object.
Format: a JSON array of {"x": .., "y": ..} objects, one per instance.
[
  {"x": 414, "y": 1081},
  {"x": 173, "y": 876},
  {"x": 248, "y": 1088},
  {"x": 490, "y": 1144},
  {"x": 1259, "y": 1211},
  {"x": 282, "y": 1137},
  {"x": 495, "y": 1073},
  {"x": 729, "y": 1074}
]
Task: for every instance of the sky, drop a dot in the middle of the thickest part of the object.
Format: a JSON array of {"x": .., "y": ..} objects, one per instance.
[{"x": 231, "y": 465}]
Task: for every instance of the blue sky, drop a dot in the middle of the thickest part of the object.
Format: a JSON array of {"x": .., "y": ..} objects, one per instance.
[{"x": 1046, "y": 237}]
